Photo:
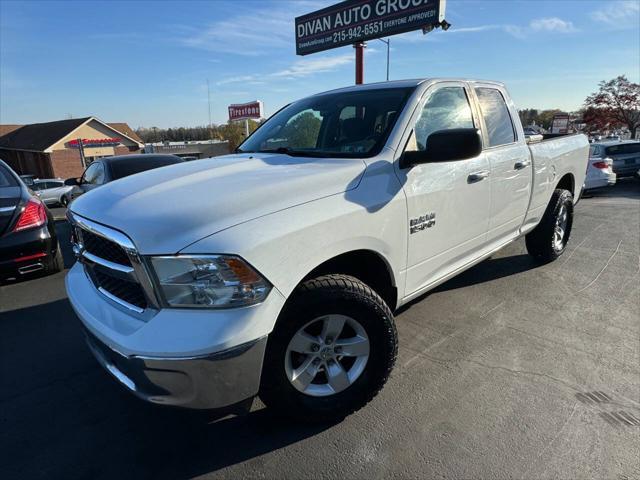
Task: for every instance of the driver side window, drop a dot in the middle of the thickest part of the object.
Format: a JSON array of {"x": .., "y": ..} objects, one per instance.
[
  {"x": 94, "y": 175},
  {"x": 447, "y": 108}
]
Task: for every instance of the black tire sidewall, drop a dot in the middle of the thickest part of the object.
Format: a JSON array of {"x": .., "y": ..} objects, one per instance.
[
  {"x": 540, "y": 242},
  {"x": 374, "y": 316}
]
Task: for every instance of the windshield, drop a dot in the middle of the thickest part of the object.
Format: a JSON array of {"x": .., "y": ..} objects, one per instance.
[{"x": 347, "y": 124}]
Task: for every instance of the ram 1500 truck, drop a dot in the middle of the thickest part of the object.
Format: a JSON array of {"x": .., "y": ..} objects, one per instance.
[{"x": 276, "y": 270}]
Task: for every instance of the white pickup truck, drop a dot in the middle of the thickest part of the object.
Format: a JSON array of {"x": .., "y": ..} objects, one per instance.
[{"x": 276, "y": 270}]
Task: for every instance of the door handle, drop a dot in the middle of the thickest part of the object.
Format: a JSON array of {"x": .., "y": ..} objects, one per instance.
[
  {"x": 477, "y": 176},
  {"x": 522, "y": 164}
]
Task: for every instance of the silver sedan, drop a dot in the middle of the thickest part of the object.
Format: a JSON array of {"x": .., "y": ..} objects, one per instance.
[{"x": 52, "y": 191}]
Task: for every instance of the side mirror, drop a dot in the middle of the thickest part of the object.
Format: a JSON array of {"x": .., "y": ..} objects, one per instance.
[
  {"x": 70, "y": 182},
  {"x": 446, "y": 146}
]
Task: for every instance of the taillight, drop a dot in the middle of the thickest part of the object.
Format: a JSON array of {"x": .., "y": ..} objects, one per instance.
[
  {"x": 602, "y": 165},
  {"x": 33, "y": 215}
]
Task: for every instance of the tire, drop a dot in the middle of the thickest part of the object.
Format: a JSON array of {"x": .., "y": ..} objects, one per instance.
[
  {"x": 330, "y": 298},
  {"x": 64, "y": 201},
  {"x": 56, "y": 264},
  {"x": 545, "y": 243}
]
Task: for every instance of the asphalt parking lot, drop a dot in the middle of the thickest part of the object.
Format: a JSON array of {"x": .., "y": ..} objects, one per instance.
[{"x": 511, "y": 370}]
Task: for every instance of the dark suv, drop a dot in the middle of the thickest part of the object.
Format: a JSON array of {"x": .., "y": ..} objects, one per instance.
[{"x": 108, "y": 169}]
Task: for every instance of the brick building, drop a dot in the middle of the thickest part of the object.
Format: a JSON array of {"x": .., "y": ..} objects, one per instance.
[{"x": 53, "y": 149}]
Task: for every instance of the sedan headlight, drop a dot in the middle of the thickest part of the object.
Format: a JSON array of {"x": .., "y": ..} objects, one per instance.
[{"x": 209, "y": 281}]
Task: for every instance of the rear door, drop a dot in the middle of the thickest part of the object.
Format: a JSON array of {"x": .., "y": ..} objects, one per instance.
[
  {"x": 10, "y": 194},
  {"x": 510, "y": 163}
]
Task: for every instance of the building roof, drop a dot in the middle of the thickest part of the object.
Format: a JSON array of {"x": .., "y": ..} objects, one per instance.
[
  {"x": 126, "y": 129},
  {"x": 40, "y": 136},
  {"x": 4, "y": 129}
]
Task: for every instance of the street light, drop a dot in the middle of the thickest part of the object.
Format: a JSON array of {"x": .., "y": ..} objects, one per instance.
[{"x": 388, "y": 42}]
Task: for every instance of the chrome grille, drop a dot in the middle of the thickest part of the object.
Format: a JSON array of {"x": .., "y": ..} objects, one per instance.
[
  {"x": 104, "y": 248},
  {"x": 130, "y": 292},
  {"x": 113, "y": 264}
]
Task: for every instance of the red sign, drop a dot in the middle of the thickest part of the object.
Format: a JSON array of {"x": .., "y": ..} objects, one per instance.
[
  {"x": 243, "y": 111},
  {"x": 94, "y": 142}
]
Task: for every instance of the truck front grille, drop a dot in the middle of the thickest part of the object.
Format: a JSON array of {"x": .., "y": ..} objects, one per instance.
[
  {"x": 113, "y": 264},
  {"x": 130, "y": 292},
  {"x": 104, "y": 248}
]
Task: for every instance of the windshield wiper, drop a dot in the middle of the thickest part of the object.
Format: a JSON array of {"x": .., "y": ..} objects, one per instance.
[{"x": 293, "y": 153}]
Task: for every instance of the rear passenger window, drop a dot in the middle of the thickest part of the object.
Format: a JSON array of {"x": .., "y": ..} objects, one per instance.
[{"x": 496, "y": 117}]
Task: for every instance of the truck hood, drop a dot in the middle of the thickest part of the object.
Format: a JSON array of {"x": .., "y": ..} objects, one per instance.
[{"x": 165, "y": 209}]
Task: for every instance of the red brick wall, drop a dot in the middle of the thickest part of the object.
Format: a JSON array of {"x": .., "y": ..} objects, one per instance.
[
  {"x": 66, "y": 163},
  {"x": 125, "y": 151}
]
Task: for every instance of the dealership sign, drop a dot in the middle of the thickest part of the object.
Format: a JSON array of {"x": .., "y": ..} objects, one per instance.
[
  {"x": 244, "y": 111},
  {"x": 94, "y": 142},
  {"x": 355, "y": 21}
]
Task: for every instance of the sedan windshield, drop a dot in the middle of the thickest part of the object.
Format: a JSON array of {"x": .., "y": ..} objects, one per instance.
[{"x": 347, "y": 124}]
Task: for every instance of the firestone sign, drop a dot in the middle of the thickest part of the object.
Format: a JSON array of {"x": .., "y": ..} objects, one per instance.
[
  {"x": 355, "y": 21},
  {"x": 94, "y": 142},
  {"x": 244, "y": 111}
]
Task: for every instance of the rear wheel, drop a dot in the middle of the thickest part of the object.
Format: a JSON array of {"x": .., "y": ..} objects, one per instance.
[
  {"x": 331, "y": 352},
  {"x": 549, "y": 239}
]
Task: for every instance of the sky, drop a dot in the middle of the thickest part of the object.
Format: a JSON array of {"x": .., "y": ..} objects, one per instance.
[{"x": 147, "y": 62}]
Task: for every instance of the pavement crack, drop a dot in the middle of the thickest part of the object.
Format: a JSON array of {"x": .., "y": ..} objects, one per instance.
[{"x": 603, "y": 268}]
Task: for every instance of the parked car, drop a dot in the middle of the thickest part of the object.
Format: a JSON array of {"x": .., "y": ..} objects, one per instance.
[
  {"x": 28, "y": 240},
  {"x": 625, "y": 156},
  {"x": 52, "y": 191},
  {"x": 599, "y": 169},
  {"x": 276, "y": 270},
  {"x": 28, "y": 179},
  {"x": 108, "y": 169}
]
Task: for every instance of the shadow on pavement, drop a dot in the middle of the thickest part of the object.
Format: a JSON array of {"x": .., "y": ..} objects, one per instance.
[{"x": 62, "y": 416}]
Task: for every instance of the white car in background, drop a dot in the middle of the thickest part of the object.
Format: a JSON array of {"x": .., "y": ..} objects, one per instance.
[
  {"x": 599, "y": 169},
  {"x": 52, "y": 191}
]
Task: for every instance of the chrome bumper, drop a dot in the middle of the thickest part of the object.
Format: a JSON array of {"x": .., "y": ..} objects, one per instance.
[{"x": 206, "y": 382}]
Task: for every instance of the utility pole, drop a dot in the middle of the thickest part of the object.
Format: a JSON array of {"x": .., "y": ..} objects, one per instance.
[{"x": 209, "y": 101}]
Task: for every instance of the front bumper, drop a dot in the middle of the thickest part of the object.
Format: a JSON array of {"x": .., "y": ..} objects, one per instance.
[
  {"x": 209, "y": 381},
  {"x": 194, "y": 358}
]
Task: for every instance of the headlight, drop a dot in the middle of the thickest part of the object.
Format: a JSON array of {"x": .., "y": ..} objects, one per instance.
[{"x": 209, "y": 281}]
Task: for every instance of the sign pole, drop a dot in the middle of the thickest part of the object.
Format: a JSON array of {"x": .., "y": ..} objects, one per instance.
[
  {"x": 81, "y": 149},
  {"x": 246, "y": 128},
  {"x": 360, "y": 46}
]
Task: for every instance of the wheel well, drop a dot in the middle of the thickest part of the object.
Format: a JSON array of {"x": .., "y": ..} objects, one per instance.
[
  {"x": 567, "y": 183},
  {"x": 366, "y": 266}
]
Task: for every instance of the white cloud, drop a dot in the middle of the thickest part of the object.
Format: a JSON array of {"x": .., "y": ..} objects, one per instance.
[
  {"x": 237, "y": 79},
  {"x": 619, "y": 14},
  {"x": 552, "y": 24},
  {"x": 254, "y": 33},
  {"x": 309, "y": 66}
]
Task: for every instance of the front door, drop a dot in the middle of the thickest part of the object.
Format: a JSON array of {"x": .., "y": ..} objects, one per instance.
[{"x": 447, "y": 202}]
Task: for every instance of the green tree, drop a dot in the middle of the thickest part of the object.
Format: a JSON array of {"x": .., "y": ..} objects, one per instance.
[{"x": 302, "y": 131}]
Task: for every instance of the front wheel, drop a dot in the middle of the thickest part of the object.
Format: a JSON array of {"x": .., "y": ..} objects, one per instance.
[
  {"x": 331, "y": 352},
  {"x": 549, "y": 239}
]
